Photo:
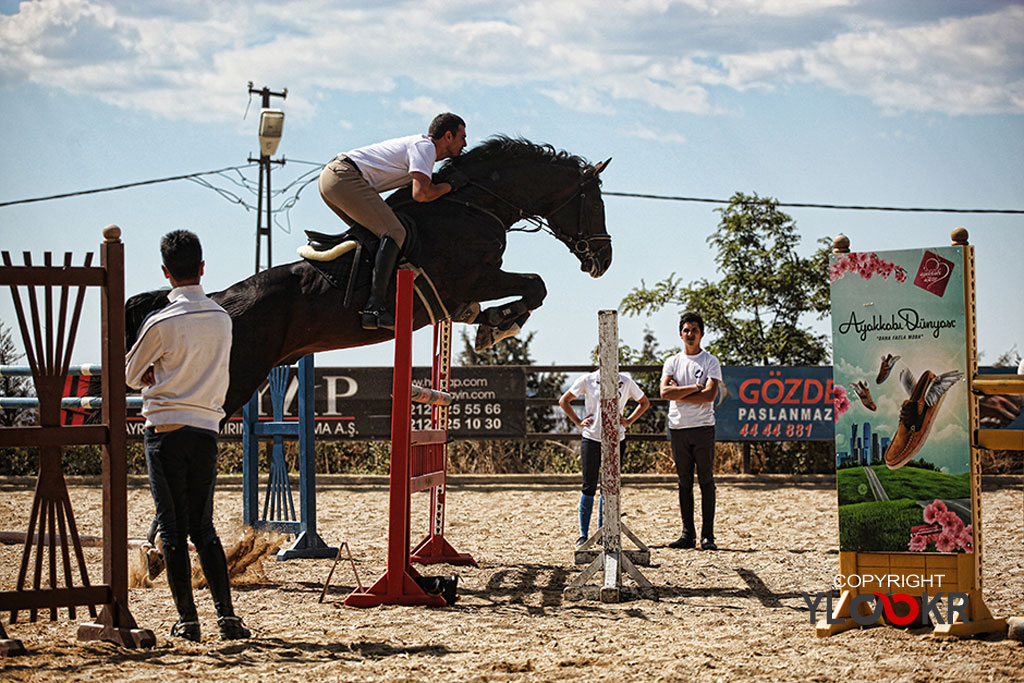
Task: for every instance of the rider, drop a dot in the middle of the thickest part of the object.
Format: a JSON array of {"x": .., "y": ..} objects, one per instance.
[{"x": 350, "y": 185}]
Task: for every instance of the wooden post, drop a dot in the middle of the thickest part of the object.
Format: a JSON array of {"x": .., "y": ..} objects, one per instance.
[{"x": 611, "y": 560}]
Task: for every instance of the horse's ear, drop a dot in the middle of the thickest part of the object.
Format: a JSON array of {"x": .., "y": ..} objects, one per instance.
[{"x": 600, "y": 166}]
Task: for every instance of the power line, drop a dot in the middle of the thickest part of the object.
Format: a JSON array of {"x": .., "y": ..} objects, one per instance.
[
  {"x": 807, "y": 205},
  {"x": 303, "y": 180},
  {"x": 189, "y": 176}
]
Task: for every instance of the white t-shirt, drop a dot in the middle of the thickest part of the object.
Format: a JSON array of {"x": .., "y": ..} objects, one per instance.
[
  {"x": 389, "y": 164},
  {"x": 589, "y": 386},
  {"x": 687, "y": 370}
]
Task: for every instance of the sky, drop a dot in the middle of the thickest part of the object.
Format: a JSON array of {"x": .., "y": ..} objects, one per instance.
[{"x": 902, "y": 104}]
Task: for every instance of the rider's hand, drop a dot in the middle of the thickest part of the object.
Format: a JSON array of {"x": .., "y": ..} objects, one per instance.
[{"x": 457, "y": 179}]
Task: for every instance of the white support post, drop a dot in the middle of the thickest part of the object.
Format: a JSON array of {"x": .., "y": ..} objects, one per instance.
[{"x": 611, "y": 559}]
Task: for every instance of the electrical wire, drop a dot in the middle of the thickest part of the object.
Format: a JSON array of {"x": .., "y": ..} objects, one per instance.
[
  {"x": 188, "y": 176},
  {"x": 303, "y": 180},
  {"x": 845, "y": 207}
]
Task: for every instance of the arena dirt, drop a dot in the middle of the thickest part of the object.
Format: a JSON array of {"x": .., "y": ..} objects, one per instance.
[{"x": 736, "y": 614}]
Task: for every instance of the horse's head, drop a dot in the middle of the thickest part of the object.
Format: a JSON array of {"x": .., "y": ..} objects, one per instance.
[
  {"x": 137, "y": 308},
  {"x": 519, "y": 179},
  {"x": 578, "y": 221}
]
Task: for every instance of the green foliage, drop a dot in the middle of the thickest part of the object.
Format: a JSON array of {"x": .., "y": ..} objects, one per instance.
[
  {"x": 13, "y": 386},
  {"x": 516, "y": 351},
  {"x": 754, "y": 312},
  {"x": 882, "y": 526}
]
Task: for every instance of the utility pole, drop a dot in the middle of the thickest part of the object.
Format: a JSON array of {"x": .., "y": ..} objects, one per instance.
[{"x": 271, "y": 125}]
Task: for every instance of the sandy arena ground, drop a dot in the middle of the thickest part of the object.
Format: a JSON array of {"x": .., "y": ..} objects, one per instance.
[{"x": 735, "y": 614}]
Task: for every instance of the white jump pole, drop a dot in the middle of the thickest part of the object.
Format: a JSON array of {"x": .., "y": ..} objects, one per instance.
[{"x": 612, "y": 560}]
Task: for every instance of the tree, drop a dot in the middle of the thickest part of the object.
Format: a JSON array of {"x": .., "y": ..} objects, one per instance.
[
  {"x": 754, "y": 311},
  {"x": 516, "y": 351},
  {"x": 13, "y": 386}
]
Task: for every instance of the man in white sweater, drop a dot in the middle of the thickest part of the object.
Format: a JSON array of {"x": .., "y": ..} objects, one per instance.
[{"x": 180, "y": 360}]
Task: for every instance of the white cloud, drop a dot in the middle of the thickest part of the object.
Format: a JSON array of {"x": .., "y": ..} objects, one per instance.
[
  {"x": 645, "y": 133},
  {"x": 427, "y": 107},
  {"x": 190, "y": 59}
]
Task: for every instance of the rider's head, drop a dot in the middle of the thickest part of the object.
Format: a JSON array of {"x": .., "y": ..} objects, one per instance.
[
  {"x": 182, "y": 257},
  {"x": 448, "y": 131}
]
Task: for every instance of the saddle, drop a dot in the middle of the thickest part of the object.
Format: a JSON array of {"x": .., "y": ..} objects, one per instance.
[{"x": 323, "y": 252}]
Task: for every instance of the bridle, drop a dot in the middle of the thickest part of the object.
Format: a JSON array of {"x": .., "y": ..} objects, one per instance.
[{"x": 580, "y": 243}]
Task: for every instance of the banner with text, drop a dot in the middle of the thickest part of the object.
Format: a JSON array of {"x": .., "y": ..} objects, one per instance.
[
  {"x": 899, "y": 331},
  {"x": 355, "y": 403},
  {"x": 775, "y": 404}
]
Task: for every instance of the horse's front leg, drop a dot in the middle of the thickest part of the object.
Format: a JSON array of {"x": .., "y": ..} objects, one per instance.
[{"x": 505, "y": 320}]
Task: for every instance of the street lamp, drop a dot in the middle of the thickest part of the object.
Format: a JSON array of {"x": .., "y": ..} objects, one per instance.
[{"x": 271, "y": 126}]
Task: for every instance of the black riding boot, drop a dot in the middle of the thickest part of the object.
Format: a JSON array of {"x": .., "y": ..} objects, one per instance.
[
  {"x": 377, "y": 313},
  {"x": 179, "y": 579},
  {"x": 215, "y": 568}
]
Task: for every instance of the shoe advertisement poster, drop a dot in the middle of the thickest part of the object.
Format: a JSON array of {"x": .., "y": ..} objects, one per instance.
[{"x": 901, "y": 401}]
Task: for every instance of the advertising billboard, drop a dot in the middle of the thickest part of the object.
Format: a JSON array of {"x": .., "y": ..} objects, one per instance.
[{"x": 901, "y": 400}]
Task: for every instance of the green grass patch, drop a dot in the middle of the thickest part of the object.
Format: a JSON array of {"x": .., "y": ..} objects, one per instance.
[
  {"x": 918, "y": 484},
  {"x": 852, "y": 485},
  {"x": 880, "y": 526}
]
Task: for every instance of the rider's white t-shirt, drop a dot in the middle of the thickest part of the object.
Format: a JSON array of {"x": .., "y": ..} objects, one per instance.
[
  {"x": 589, "y": 386},
  {"x": 389, "y": 164}
]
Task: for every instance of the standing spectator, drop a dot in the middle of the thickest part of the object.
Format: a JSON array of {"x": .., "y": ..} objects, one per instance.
[
  {"x": 589, "y": 386},
  {"x": 180, "y": 359},
  {"x": 690, "y": 382}
]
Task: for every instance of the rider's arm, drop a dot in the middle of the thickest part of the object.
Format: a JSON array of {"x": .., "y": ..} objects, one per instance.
[{"x": 426, "y": 190}]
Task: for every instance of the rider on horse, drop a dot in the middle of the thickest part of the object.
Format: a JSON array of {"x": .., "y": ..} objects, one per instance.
[{"x": 350, "y": 185}]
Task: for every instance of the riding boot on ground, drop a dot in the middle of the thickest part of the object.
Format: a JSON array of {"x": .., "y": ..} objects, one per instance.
[
  {"x": 215, "y": 568},
  {"x": 179, "y": 579},
  {"x": 377, "y": 314}
]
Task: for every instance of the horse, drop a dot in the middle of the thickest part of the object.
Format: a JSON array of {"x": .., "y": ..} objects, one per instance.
[{"x": 285, "y": 312}]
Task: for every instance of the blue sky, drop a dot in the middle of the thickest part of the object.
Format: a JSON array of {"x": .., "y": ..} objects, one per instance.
[{"x": 827, "y": 101}]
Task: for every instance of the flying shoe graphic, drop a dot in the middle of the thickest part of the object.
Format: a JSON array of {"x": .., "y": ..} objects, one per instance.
[
  {"x": 917, "y": 415},
  {"x": 888, "y": 361},
  {"x": 864, "y": 393}
]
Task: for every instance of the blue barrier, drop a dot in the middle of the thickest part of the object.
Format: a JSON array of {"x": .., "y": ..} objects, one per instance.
[{"x": 278, "y": 506}]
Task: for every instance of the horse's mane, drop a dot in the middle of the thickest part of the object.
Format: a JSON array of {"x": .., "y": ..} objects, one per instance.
[{"x": 504, "y": 149}]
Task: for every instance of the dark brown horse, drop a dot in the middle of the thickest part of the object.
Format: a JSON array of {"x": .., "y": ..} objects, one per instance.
[{"x": 286, "y": 312}]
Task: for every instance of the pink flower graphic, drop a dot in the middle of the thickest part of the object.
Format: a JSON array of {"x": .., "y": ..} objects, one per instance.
[
  {"x": 865, "y": 265},
  {"x": 840, "y": 399},
  {"x": 952, "y": 534},
  {"x": 931, "y": 512},
  {"x": 918, "y": 543}
]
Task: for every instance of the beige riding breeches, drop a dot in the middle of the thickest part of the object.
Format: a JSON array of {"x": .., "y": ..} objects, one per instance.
[{"x": 344, "y": 189}]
